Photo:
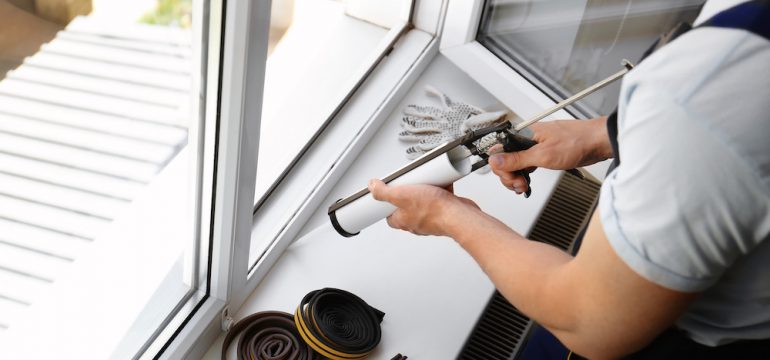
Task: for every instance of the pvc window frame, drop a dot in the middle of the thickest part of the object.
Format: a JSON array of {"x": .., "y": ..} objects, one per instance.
[
  {"x": 237, "y": 51},
  {"x": 234, "y": 224}
]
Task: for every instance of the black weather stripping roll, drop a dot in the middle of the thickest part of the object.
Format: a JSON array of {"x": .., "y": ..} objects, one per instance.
[{"x": 338, "y": 324}]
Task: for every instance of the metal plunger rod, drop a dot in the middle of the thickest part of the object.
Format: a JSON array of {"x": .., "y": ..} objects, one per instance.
[{"x": 627, "y": 66}]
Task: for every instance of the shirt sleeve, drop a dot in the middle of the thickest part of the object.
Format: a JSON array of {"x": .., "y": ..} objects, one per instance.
[{"x": 680, "y": 207}]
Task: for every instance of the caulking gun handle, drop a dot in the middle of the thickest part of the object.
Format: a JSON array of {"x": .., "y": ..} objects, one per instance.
[{"x": 516, "y": 142}]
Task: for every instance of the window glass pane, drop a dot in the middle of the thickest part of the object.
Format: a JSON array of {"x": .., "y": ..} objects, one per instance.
[
  {"x": 565, "y": 46},
  {"x": 99, "y": 166}
]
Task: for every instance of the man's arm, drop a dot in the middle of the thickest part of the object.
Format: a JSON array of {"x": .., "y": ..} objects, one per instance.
[{"x": 594, "y": 303}]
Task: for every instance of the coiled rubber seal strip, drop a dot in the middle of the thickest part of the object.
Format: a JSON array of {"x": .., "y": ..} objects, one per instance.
[
  {"x": 268, "y": 335},
  {"x": 338, "y": 324}
]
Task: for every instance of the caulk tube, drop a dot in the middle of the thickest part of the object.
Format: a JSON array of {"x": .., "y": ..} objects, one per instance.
[{"x": 443, "y": 170}]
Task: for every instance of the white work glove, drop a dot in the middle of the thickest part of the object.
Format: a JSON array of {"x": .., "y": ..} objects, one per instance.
[{"x": 431, "y": 126}]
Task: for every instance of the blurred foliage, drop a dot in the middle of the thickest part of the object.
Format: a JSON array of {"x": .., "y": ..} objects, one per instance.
[{"x": 170, "y": 13}]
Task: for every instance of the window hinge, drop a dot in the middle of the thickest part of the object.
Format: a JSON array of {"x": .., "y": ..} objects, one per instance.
[{"x": 227, "y": 320}]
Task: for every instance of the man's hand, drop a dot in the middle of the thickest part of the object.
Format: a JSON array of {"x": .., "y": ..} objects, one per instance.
[
  {"x": 562, "y": 145},
  {"x": 422, "y": 209}
]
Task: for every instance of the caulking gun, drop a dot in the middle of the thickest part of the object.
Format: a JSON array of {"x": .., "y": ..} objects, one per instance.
[{"x": 450, "y": 162}]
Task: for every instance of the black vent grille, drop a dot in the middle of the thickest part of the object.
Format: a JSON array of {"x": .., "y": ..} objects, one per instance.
[
  {"x": 498, "y": 333},
  {"x": 567, "y": 212},
  {"x": 501, "y": 329}
]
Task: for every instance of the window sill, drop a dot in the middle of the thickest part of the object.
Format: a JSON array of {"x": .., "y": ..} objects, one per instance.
[{"x": 431, "y": 291}]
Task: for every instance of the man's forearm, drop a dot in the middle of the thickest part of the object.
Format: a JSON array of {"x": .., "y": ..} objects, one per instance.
[
  {"x": 588, "y": 301},
  {"x": 534, "y": 276},
  {"x": 522, "y": 270}
]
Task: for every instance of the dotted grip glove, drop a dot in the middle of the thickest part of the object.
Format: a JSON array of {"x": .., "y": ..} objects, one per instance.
[{"x": 431, "y": 126}]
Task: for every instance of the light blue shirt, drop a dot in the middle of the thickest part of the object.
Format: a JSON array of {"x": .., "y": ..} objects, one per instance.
[{"x": 689, "y": 206}]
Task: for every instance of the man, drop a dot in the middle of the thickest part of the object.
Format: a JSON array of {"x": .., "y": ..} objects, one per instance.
[{"x": 679, "y": 242}]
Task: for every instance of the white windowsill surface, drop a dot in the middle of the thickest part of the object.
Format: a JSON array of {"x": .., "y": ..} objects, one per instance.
[{"x": 431, "y": 291}]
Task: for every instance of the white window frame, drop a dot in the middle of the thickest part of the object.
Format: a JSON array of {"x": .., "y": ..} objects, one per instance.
[
  {"x": 237, "y": 55},
  {"x": 357, "y": 118},
  {"x": 459, "y": 45}
]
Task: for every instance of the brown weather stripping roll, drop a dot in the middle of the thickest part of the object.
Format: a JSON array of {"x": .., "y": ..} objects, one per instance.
[
  {"x": 268, "y": 335},
  {"x": 338, "y": 324}
]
